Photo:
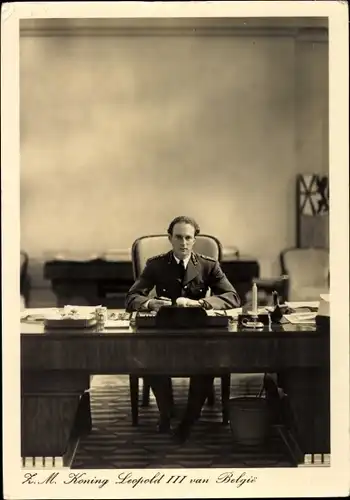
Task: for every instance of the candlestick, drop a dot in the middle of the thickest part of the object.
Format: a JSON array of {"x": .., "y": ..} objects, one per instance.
[{"x": 255, "y": 299}]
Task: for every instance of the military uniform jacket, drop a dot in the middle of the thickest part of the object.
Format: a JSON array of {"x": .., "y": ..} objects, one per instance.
[{"x": 162, "y": 273}]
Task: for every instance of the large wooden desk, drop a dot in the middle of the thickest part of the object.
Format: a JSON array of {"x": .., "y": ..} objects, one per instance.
[
  {"x": 107, "y": 281},
  {"x": 56, "y": 367}
]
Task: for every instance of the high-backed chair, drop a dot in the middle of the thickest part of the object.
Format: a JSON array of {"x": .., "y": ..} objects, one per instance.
[
  {"x": 308, "y": 271},
  {"x": 144, "y": 248},
  {"x": 24, "y": 278}
]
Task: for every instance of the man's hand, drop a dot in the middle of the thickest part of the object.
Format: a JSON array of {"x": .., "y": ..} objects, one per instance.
[
  {"x": 156, "y": 304},
  {"x": 185, "y": 302}
]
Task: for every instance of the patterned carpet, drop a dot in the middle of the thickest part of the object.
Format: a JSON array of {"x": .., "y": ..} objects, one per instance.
[{"x": 114, "y": 443}]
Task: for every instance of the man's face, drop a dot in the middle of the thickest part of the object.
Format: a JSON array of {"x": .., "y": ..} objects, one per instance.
[{"x": 182, "y": 239}]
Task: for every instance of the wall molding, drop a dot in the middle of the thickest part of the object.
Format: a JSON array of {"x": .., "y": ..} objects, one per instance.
[{"x": 168, "y": 27}]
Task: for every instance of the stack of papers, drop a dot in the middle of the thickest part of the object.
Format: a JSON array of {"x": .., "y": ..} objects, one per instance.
[
  {"x": 303, "y": 305},
  {"x": 45, "y": 312},
  {"x": 303, "y": 318},
  {"x": 75, "y": 314},
  {"x": 232, "y": 313},
  {"x": 300, "y": 318},
  {"x": 36, "y": 314},
  {"x": 117, "y": 323},
  {"x": 296, "y": 318}
]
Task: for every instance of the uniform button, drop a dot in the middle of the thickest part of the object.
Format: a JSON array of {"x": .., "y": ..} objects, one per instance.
[{"x": 185, "y": 287}]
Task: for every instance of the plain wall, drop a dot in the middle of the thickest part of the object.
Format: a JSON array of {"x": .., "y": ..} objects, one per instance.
[{"x": 121, "y": 134}]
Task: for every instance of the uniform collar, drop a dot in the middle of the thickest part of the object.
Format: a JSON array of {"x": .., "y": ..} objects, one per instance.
[{"x": 185, "y": 261}]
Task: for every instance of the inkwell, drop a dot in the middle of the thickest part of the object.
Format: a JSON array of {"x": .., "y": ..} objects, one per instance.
[{"x": 276, "y": 315}]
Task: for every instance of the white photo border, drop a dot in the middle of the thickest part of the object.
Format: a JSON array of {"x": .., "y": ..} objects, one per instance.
[{"x": 331, "y": 481}]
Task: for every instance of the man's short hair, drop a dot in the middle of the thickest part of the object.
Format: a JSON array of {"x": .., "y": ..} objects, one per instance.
[{"x": 186, "y": 220}]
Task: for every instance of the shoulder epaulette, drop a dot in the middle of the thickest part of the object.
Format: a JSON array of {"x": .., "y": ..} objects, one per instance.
[
  {"x": 156, "y": 256},
  {"x": 206, "y": 257}
]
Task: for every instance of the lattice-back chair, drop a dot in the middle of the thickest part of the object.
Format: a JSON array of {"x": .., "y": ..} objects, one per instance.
[
  {"x": 144, "y": 248},
  {"x": 308, "y": 272}
]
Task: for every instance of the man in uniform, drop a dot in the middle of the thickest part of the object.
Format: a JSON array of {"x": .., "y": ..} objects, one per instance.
[{"x": 186, "y": 275}]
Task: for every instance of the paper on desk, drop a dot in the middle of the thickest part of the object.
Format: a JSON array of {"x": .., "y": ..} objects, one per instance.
[
  {"x": 117, "y": 323},
  {"x": 45, "y": 310},
  {"x": 41, "y": 313},
  {"x": 232, "y": 313},
  {"x": 38, "y": 311},
  {"x": 301, "y": 318},
  {"x": 82, "y": 309},
  {"x": 296, "y": 305}
]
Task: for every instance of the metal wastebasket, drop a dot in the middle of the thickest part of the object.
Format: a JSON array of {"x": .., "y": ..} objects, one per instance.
[{"x": 249, "y": 420}]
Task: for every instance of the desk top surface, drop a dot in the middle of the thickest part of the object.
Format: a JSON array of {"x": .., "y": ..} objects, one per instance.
[
  {"x": 125, "y": 350},
  {"x": 39, "y": 329},
  {"x": 120, "y": 329}
]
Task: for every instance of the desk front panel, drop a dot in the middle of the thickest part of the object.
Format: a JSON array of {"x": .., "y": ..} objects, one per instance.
[
  {"x": 175, "y": 354},
  {"x": 56, "y": 367}
]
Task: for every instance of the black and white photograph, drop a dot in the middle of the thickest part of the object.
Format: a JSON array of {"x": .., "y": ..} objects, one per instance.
[{"x": 180, "y": 193}]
